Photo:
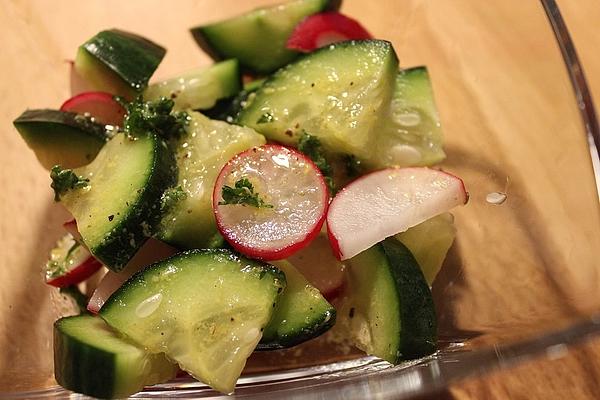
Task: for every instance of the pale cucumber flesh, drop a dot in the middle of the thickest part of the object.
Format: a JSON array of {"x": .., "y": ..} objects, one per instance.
[{"x": 205, "y": 309}]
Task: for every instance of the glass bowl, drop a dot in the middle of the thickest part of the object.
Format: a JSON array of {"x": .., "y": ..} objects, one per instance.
[{"x": 522, "y": 277}]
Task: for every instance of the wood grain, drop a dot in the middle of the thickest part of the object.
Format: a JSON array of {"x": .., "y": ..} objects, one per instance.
[
  {"x": 576, "y": 373},
  {"x": 510, "y": 121}
]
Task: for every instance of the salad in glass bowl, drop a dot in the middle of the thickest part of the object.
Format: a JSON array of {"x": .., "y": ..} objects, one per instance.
[{"x": 284, "y": 194}]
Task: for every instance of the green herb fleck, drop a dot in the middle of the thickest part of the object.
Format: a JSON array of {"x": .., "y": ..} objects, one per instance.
[
  {"x": 64, "y": 180},
  {"x": 242, "y": 193},
  {"x": 353, "y": 165},
  {"x": 265, "y": 118},
  {"x": 171, "y": 197},
  {"x": 156, "y": 117},
  {"x": 311, "y": 146},
  {"x": 75, "y": 294}
]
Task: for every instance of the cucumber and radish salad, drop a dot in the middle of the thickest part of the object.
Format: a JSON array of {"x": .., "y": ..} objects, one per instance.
[{"x": 224, "y": 216}]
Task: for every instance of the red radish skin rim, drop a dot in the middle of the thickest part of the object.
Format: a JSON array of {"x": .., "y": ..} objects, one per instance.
[
  {"x": 71, "y": 227},
  {"x": 96, "y": 96},
  {"x": 78, "y": 274},
  {"x": 113, "y": 111},
  {"x": 319, "y": 30},
  {"x": 335, "y": 246},
  {"x": 333, "y": 240},
  {"x": 284, "y": 252}
]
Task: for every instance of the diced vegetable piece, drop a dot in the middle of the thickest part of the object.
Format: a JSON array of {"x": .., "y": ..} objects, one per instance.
[
  {"x": 119, "y": 208},
  {"x": 301, "y": 313},
  {"x": 58, "y": 137},
  {"x": 228, "y": 109},
  {"x": 338, "y": 94},
  {"x": 71, "y": 227},
  {"x": 118, "y": 62},
  {"x": 387, "y": 202},
  {"x": 100, "y": 105},
  {"x": 270, "y": 202},
  {"x": 390, "y": 311},
  {"x": 200, "y": 88},
  {"x": 254, "y": 84},
  {"x": 325, "y": 28},
  {"x": 412, "y": 135},
  {"x": 258, "y": 38},
  {"x": 152, "y": 251},
  {"x": 90, "y": 358},
  {"x": 189, "y": 221},
  {"x": 70, "y": 263},
  {"x": 205, "y": 309},
  {"x": 429, "y": 242},
  {"x": 317, "y": 263}
]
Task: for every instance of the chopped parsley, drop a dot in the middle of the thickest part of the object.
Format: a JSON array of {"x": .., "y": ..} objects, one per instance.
[
  {"x": 171, "y": 197},
  {"x": 242, "y": 193},
  {"x": 156, "y": 117},
  {"x": 64, "y": 180},
  {"x": 311, "y": 146}
]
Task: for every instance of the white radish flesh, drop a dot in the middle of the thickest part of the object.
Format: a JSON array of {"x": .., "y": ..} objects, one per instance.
[{"x": 387, "y": 202}]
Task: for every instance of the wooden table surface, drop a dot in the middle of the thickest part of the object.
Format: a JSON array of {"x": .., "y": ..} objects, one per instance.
[
  {"x": 559, "y": 230},
  {"x": 576, "y": 374}
]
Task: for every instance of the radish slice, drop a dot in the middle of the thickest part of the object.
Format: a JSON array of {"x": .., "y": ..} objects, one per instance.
[
  {"x": 100, "y": 105},
  {"x": 71, "y": 227},
  {"x": 152, "y": 251},
  {"x": 322, "y": 29},
  {"x": 388, "y": 202},
  {"x": 294, "y": 197},
  {"x": 320, "y": 267},
  {"x": 70, "y": 263}
]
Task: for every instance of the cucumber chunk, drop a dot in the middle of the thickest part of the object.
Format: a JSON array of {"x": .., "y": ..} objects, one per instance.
[
  {"x": 258, "y": 38},
  {"x": 301, "y": 314},
  {"x": 204, "y": 308},
  {"x": 208, "y": 145},
  {"x": 90, "y": 358},
  {"x": 338, "y": 94},
  {"x": 118, "y": 62},
  {"x": 228, "y": 109},
  {"x": 58, "y": 137},
  {"x": 412, "y": 135},
  {"x": 429, "y": 242},
  {"x": 200, "y": 88},
  {"x": 252, "y": 86},
  {"x": 390, "y": 309},
  {"x": 119, "y": 209}
]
